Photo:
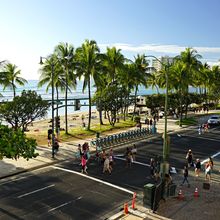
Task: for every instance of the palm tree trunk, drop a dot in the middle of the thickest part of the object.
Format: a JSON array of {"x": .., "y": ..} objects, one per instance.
[
  {"x": 14, "y": 90},
  {"x": 135, "y": 100},
  {"x": 57, "y": 110},
  {"x": 90, "y": 105},
  {"x": 66, "y": 91},
  {"x": 181, "y": 110}
]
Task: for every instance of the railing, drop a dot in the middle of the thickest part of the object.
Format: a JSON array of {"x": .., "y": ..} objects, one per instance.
[{"x": 115, "y": 139}]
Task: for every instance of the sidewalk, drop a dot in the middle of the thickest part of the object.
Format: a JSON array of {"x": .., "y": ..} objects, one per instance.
[{"x": 205, "y": 206}]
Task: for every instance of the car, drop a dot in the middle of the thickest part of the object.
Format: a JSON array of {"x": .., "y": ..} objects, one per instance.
[{"x": 214, "y": 120}]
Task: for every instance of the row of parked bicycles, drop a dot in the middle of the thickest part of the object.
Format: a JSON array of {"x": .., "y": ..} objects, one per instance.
[{"x": 108, "y": 141}]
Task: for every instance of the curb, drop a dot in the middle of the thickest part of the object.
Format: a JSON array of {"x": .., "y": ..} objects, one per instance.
[{"x": 32, "y": 168}]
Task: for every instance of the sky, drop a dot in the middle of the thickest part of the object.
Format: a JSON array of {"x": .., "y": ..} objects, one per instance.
[{"x": 32, "y": 28}]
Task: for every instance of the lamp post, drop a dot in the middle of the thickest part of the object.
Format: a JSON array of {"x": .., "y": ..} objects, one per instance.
[
  {"x": 166, "y": 148},
  {"x": 52, "y": 64}
]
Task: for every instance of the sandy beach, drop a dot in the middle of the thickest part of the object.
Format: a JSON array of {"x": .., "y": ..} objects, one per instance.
[{"x": 39, "y": 128}]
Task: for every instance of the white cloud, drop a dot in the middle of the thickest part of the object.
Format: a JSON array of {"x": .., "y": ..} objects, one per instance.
[
  {"x": 27, "y": 58},
  {"x": 169, "y": 49}
]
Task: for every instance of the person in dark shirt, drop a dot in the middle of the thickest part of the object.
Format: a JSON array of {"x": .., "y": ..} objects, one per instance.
[
  {"x": 197, "y": 167},
  {"x": 185, "y": 176},
  {"x": 189, "y": 158}
]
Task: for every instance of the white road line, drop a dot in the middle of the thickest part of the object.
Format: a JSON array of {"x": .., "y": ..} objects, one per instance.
[
  {"x": 211, "y": 139},
  {"x": 26, "y": 194},
  {"x": 143, "y": 164},
  {"x": 66, "y": 203},
  {"x": 213, "y": 156},
  {"x": 95, "y": 179}
]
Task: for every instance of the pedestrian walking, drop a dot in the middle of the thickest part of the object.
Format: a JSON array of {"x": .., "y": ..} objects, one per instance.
[
  {"x": 189, "y": 158},
  {"x": 211, "y": 163},
  {"x": 106, "y": 166},
  {"x": 185, "y": 176},
  {"x": 208, "y": 171},
  {"x": 83, "y": 163},
  {"x": 206, "y": 127},
  {"x": 79, "y": 153},
  {"x": 111, "y": 158},
  {"x": 197, "y": 167},
  {"x": 56, "y": 146},
  {"x": 128, "y": 157},
  {"x": 134, "y": 152},
  {"x": 49, "y": 137}
]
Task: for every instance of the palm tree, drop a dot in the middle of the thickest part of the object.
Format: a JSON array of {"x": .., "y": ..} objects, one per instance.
[
  {"x": 214, "y": 85},
  {"x": 113, "y": 65},
  {"x": 178, "y": 81},
  {"x": 46, "y": 78},
  {"x": 190, "y": 59},
  {"x": 10, "y": 77},
  {"x": 153, "y": 81},
  {"x": 88, "y": 66},
  {"x": 65, "y": 53},
  {"x": 113, "y": 61},
  {"x": 139, "y": 75}
]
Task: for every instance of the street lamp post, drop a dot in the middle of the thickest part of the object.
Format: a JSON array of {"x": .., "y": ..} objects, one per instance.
[
  {"x": 52, "y": 64},
  {"x": 166, "y": 148}
]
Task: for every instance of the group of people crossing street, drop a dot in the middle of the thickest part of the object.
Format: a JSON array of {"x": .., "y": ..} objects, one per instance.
[{"x": 197, "y": 166}]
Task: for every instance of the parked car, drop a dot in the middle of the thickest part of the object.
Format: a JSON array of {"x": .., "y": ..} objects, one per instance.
[{"x": 214, "y": 120}]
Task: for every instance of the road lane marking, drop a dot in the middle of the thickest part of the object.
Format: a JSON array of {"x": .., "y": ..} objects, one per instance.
[
  {"x": 143, "y": 164},
  {"x": 95, "y": 179},
  {"x": 38, "y": 190},
  {"x": 64, "y": 204},
  {"x": 213, "y": 156},
  {"x": 210, "y": 139}
]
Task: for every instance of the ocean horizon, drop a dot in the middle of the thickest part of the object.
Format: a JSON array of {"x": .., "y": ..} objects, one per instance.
[{"x": 7, "y": 94}]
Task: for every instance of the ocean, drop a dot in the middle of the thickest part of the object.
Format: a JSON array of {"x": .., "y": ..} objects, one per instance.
[{"x": 7, "y": 94}]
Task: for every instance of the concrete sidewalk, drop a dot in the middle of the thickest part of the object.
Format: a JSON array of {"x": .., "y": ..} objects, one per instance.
[{"x": 205, "y": 206}]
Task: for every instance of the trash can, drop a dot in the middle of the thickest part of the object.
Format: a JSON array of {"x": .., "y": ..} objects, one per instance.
[
  {"x": 149, "y": 191},
  {"x": 171, "y": 191}
]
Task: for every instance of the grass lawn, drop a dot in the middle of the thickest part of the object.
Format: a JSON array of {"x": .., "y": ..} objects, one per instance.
[{"x": 80, "y": 133}]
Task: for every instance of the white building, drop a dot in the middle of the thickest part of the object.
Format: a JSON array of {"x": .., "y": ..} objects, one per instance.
[{"x": 158, "y": 66}]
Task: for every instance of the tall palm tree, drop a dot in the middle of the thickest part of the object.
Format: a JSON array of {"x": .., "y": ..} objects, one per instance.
[
  {"x": 66, "y": 55},
  {"x": 88, "y": 66},
  {"x": 177, "y": 80},
  {"x": 10, "y": 77},
  {"x": 113, "y": 64},
  {"x": 113, "y": 61},
  {"x": 46, "y": 78},
  {"x": 139, "y": 75},
  {"x": 190, "y": 59},
  {"x": 153, "y": 81},
  {"x": 214, "y": 84}
]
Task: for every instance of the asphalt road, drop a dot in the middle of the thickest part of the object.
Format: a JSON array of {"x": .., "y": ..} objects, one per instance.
[{"x": 62, "y": 192}]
